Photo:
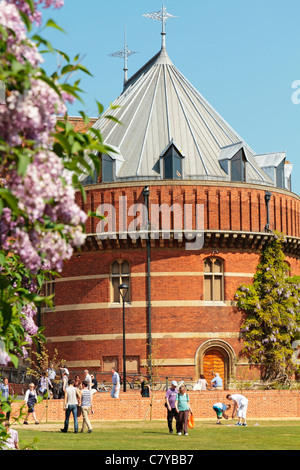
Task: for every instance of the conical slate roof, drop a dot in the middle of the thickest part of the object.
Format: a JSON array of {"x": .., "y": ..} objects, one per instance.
[{"x": 159, "y": 106}]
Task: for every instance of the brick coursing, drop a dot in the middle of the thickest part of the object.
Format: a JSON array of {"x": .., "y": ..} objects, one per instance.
[
  {"x": 130, "y": 406},
  {"x": 228, "y": 207}
]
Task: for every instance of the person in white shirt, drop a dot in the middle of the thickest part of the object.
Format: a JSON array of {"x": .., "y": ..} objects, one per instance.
[
  {"x": 64, "y": 369},
  {"x": 30, "y": 400},
  {"x": 201, "y": 384},
  {"x": 45, "y": 385},
  {"x": 88, "y": 379},
  {"x": 12, "y": 442},
  {"x": 116, "y": 384},
  {"x": 52, "y": 375},
  {"x": 71, "y": 402},
  {"x": 240, "y": 404}
]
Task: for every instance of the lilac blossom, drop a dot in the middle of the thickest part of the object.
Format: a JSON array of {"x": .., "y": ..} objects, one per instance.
[
  {"x": 27, "y": 314},
  {"x": 45, "y": 192},
  {"x": 44, "y": 189}
]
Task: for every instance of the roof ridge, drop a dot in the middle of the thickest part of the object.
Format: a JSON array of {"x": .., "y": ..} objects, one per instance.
[{"x": 160, "y": 58}]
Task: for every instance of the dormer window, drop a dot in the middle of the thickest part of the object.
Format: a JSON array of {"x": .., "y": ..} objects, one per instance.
[
  {"x": 107, "y": 171},
  {"x": 238, "y": 167},
  {"x": 233, "y": 161},
  {"x": 280, "y": 175},
  {"x": 107, "y": 168},
  {"x": 277, "y": 168},
  {"x": 171, "y": 163}
]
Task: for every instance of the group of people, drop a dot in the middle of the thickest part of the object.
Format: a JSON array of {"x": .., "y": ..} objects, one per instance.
[
  {"x": 216, "y": 383},
  {"x": 178, "y": 407},
  {"x": 240, "y": 404},
  {"x": 78, "y": 401}
]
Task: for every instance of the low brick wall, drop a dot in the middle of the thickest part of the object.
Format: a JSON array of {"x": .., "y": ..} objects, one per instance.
[{"x": 131, "y": 406}]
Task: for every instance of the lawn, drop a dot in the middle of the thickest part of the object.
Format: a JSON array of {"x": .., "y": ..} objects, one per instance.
[{"x": 154, "y": 436}]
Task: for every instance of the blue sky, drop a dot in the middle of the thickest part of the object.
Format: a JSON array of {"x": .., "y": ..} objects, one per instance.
[{"x": 243, "y": 57}]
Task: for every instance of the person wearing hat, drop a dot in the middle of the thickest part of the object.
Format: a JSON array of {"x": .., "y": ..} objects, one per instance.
[{"x": 170, "y": 397}]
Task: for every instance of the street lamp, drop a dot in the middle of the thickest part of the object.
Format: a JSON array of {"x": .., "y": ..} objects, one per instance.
[
  {"x": 123, "y": 289},
  {"x": 268, "y": 196}
]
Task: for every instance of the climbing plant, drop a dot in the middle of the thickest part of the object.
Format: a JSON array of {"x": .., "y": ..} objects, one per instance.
[{"x": 271, "y": 307}]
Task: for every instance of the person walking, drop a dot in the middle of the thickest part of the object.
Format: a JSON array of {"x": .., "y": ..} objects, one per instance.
[
  {"x": 116, "y": 384},
  {"x": 170, "y": 398},
  {"x": 71, "y": 401},
  {"x": 30, "y": 400},
  {"x": 86, "y": 398},
  {"x": 183, "y": 408},
  {"x": 240, "y": 405}
]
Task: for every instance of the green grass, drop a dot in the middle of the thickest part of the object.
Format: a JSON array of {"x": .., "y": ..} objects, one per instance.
[{"x": 153, "y": 435}]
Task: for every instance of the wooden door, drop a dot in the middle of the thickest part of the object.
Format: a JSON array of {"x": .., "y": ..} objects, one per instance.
[{"x": 213, "y": 362}]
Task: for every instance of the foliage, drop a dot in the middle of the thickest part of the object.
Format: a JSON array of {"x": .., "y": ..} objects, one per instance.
[
  {"x": 41, "y": 160},
  {"x": 42, "y": 362},
  {"x": 272, "y": 313}
]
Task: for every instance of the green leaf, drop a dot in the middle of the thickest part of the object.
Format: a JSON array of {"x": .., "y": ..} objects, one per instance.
[
  {"x": 11, "y": 200},
  {"x": 23, "y": 163},
  {"x": 31, "y": 5},
  {"x": 52, "y": 24},
  {"x": 4, "y": 282},
  {"x": 14, "y": 359}
]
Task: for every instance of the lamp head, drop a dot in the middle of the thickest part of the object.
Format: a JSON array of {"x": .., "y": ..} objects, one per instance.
[
  {"x": 123, "y": 289},
  {"x": 267, "y": 196},
  {"x": 146, "y": 191}
]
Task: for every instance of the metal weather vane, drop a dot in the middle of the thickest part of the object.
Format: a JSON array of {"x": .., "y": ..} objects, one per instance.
[
  {"x": 161, "y": 15},
  {"x": 124, "y": 54}
]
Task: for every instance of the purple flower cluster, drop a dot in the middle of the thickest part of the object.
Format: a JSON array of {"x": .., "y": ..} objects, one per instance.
[
  {"x": 27, "y": 314},
  {"x": 36, "y": 16},
  {"x": 45, "y": 193},
  {"x": 51, "y": 224}
]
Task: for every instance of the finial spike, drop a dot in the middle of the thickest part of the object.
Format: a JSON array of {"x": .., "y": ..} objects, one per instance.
[
  {"x": 124, "y": 54},
  {"x": 162, "y": 16}
]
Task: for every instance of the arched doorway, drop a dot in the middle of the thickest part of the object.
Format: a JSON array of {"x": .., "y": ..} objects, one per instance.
[
  {"x": 215, "y": 356},
  {"x": 214, "y": 361}
]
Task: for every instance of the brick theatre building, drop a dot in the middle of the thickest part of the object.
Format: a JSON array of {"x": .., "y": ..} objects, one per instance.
[{"x": 189, "y": 207}]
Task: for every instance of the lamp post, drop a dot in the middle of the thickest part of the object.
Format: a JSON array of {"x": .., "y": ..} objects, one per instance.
[
  {"x": 146, "y": 194},
  {"x": 268, "y": 196},
  {"x": 123, "y": 289}
]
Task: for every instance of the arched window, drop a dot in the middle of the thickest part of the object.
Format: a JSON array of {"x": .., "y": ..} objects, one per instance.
[
  {"x": 213, "y": 280},
  {"x": 119, "y": 273}
]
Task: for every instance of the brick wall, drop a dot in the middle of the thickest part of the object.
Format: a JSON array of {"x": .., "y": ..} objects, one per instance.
[
  {"x": 226, "y": 206},
  {"x": 130, "y": 406},
  {"x": 86, "y": 326}
]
